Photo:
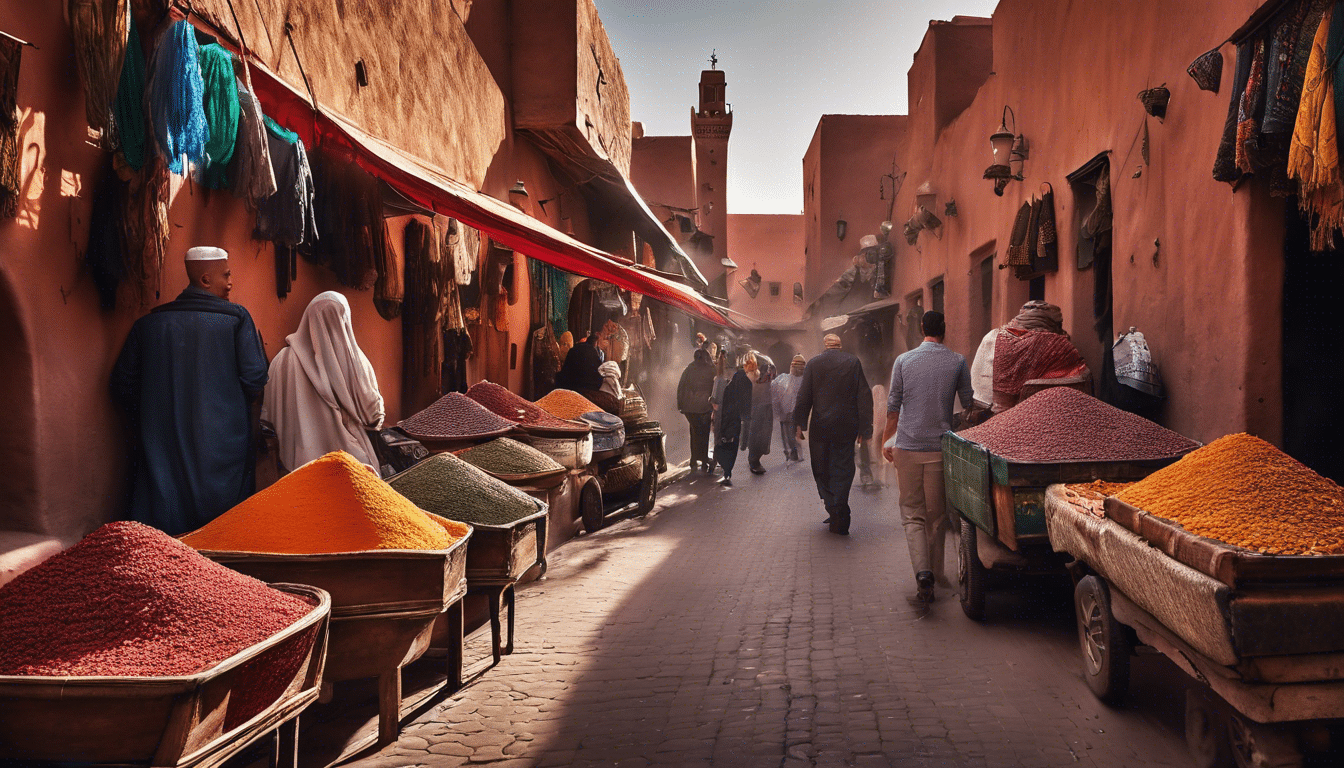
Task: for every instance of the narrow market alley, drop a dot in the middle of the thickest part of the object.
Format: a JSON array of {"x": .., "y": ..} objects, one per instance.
[{"x": 729, "y": 628}]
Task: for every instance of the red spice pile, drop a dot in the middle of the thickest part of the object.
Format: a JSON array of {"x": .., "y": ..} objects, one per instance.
[
  {"x": 454, "y": 415},
  {"x": 130, "y": 600},
  {"x": 1061, "y": 425},
  {"x": 504, "y": 403}
]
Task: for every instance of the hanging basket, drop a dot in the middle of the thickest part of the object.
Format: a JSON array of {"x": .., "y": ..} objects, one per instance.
[{"x": 1155, "y": 100}]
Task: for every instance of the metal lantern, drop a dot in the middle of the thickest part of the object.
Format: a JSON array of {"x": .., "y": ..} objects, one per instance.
[
  {"x": 1002, "y": 140},
  {"x": 841, "y": 227}
]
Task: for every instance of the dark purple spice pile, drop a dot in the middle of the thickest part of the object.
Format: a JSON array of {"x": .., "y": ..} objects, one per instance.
[
  {"x": 454, "y": 415},
  {"x": 131, "y": 600},
  {"x": 504, "y": 403},
  {"x": 1062, "y": 425}
]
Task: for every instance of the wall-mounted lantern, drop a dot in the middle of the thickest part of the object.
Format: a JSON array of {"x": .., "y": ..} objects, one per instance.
[
  {"x": 841, "y": 227},
  {"x": 1003, "y": 142}
]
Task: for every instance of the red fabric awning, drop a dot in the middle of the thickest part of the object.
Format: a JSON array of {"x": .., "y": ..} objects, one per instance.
[{"x": 434, "y": 190}]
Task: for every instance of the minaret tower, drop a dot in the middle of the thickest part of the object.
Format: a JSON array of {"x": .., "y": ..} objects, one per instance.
[{"x": 711, "y": 123}]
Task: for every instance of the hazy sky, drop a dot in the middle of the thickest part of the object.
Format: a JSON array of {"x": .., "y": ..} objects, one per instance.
[{"x": 788, "y": 62}]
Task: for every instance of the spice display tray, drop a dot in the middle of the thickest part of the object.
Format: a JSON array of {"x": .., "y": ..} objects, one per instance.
[
  {"x": 161, "y": 721},
  {"x": 1232, "y": 565}
]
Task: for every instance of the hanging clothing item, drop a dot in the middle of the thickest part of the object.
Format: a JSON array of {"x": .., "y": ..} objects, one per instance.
[
  {"x": 1017, "y": 239},
  {"x": 221, "y": 112},
  {"x": 11, "y": 52},
  {"x": 1047, "y": 237},
  {"x": 1289, "y": 50},
  {"x": 287, "y": 216},
  {"x": 456, "y": 351},
  {"x": 177, "y": 98},
  {"x": 1225, "y": 163},
  {"x": 105, "y": 257},
  {"x": 128, "y": 110},
  {"x": 100, "y": 29},
  {"x": 545, "y": 360},
  {"x": 1313, "y": 159},
  {"x": 146, "y": 224},
  {"x": 347, "y": 202},
  {"x": 323, "y": 394},
  {"x": 251, "y": 174},
  {"x": 1251, "y": 107},
  {"x": 421, "y": 334},
  {"x": 389, "y": 289}
]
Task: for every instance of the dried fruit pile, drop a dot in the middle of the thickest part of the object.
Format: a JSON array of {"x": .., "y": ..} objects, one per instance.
[
  {"x": 1064, "y": 425},
  {"x": 506, "y": 404},
  {"x": 452, "y": 488},
  {"x": 509, "y": 457},
  {"x": 129, "y": 600},
  {"x": 1241, "y": 490},
  {"x": 332, "y": 504},
  {"x": 1091, "y": 497},
  {"x": 454, "y": 416},
  {"x": 567, "y": 404}
]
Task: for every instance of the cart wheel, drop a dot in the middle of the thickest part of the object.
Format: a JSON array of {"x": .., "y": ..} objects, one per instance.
[
  {"x": 1256, "y": 745},
  {"x": 590, "y": 506},
  {"x": 648, "y": 487},
  {"x": 1104, "y": 641},
  {"x": 1205, "y": 732},
  {"x": 971, "y": 575}
]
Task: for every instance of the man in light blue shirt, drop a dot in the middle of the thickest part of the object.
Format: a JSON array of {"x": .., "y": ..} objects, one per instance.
[{"x": 924, "y": 382}]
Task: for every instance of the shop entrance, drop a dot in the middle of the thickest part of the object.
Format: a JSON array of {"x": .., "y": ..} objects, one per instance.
[
  {"x": 1313, "y": 338},
  {"x": 18, "y": 420}
]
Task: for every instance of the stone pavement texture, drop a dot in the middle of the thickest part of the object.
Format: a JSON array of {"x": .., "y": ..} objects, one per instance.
[{"x": 729, "y": 628}]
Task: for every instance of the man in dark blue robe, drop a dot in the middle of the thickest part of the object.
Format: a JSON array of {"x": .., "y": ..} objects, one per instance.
[{"x": 187, "y": 378}]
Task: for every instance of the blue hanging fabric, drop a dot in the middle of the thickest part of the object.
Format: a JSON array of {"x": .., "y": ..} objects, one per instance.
[
  {"x": 176, "y": 98},
  {"x": 221, "y": 112}
]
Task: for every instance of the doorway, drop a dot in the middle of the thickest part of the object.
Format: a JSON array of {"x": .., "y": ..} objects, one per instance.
[
  {"x": 18, "y": 424},
  {"x": 1313, "y": 336}
]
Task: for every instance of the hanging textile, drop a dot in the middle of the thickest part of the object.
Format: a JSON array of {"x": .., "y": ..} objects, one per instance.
[
  {"x": 546, "y": 361},
  {"x": 221, "y": 112},
  {"x": 1289, "y": 50},
  {"x": 11, "y": 52},
  {"x": 287, "y": 216},
  {"x": 1047, "y": 237},
  {"x": 100, "y": 29},
  {"x": 1017, "y": 240},
  {"x": 560, "y": 291},
  {"x": 176, "y": 98},
  {"x": 347, "y": 202},
  {"x": 420, "y": 331},
  {"x": 146, "y": 226},
  {"x": 389, "y": 289},
  {"x": 1313, "y": 159},
  {"x": 457, "y": 350},
  {"x": 1251, "y": 106},
  {"x": 1225, "y": 163},
  {"x": 251, "y": 175},
  {"x": 105, "y": 257},
  {"x": 128, "y": 109}
]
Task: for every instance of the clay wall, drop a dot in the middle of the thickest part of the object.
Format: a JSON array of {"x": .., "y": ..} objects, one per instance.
[
  {"x": 662, "y": 168},
  {"x": 773, "y": 245},
  {"x": 1207, "y": 297}
]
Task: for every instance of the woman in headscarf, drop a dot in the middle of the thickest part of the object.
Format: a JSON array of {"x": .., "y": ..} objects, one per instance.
[
  {"x": 723, "y": 373},
  {"x": 1033, "y": 345},
  {"x": 323, "y": 394},
  {"x": 735, "y": 409},
  {"x": 762, "y": 415}
]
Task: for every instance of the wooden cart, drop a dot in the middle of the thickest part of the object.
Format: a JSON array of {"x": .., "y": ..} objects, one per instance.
[
  {"x": 1263, "y": 633},
  {"x": 1005, "y": 501},
  {"x": 384, "y": 605},
  {"x": 496, "y": 560},
  {"x": 187, "y": 721},
  {"x": 623, "y": 481}
]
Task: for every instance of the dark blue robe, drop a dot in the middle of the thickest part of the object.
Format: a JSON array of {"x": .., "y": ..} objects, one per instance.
[{"x": 187, "y": 377}]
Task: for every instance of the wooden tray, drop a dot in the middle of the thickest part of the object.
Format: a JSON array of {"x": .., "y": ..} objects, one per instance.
[
  {"x": 501, "y": 554},
  {"x": 176, "y": 721},
  {"x": 1234, "y": 566}
]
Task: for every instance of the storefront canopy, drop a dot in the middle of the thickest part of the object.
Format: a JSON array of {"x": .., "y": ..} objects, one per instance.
[{"x": 437, "y": 192}]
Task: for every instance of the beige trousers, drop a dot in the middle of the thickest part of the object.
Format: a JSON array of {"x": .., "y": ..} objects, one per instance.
[{"x": 919, "y": 475}]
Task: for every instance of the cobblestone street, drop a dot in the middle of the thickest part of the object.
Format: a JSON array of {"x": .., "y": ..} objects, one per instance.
[{"x": 729, "y": 628}]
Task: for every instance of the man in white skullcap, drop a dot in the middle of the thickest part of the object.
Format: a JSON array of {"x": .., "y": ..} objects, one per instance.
[{"x": 187, "y": 378}]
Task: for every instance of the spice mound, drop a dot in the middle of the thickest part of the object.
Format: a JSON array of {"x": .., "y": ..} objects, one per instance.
[
  {"x": 509, "y": 457},
  {"x": 567, "y": 404},
  {"x": 332, "y": 504},
  {"x": 506, "y": 404},
  {"x": 452, "y": 416},
  {"x": 450, "y": 487},
  {"x": 1241, "y": 490},
  {"x": 129, "y": 600},
  {"x": 1062, "y": 425}
]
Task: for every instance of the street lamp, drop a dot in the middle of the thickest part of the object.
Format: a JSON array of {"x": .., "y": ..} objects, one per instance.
[{"x": 1003, "y": 141}]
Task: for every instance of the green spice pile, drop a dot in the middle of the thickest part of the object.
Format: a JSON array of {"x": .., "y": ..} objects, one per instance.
[
  {"x": 450, "y": 487},
  {"x": 509, "y": 458}
]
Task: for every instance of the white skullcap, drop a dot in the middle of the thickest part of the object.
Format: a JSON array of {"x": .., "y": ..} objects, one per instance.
[{"x": 206, "y": 253}]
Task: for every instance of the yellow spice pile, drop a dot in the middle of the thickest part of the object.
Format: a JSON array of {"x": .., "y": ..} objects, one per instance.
[{"x": 1243, "y": 491}]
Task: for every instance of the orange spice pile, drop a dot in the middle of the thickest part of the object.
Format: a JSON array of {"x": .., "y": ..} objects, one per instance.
[
  {"x": 1241, "y": 490},
  {"x": 331, "y": 504}
]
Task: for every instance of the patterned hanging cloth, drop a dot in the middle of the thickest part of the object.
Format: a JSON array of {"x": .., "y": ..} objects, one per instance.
[
  {"x": 1047, "y": 238},
  {"x": 1017, "y": 240},
  {"x": 100, "y": 29},
  {"x": 1225, "y": 163},
  {"x": 253, "y": 177},
  {"x": 1313, "y": 159},
  {"x": 176, "y": 98},
  {"x": 221, "y": 112},
  {"x": 128, "y": 111},
  {"x": 10, "y": 173}
]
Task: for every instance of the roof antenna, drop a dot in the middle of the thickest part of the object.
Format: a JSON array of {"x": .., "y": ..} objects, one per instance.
[{"x": 714, "y": 59}]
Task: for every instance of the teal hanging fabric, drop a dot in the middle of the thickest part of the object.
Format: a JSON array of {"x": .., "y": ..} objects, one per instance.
[
  {"x": 221, "y": 112},
  {"x": 176, "y": 98},
  {"x": 559, "y": 299},
  {"x": 128, "y": 110}
]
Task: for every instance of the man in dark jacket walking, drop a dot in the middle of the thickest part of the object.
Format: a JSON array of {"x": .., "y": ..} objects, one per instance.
[
  {"x": 693, "y": 400},
  {"x": 835, "y": 397}
]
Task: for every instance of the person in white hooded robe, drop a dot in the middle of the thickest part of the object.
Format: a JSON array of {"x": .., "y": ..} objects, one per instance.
[{"x": 323, "y": 395}]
